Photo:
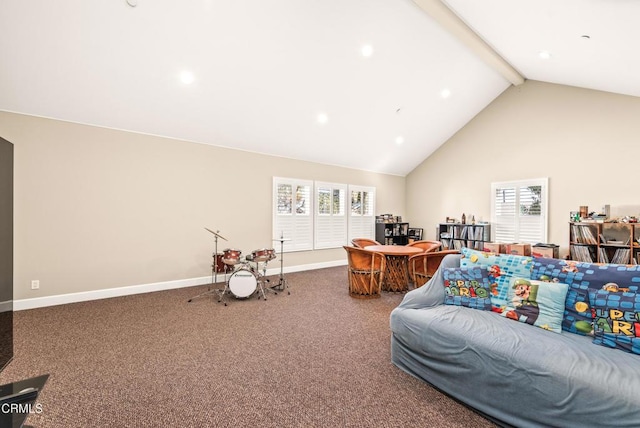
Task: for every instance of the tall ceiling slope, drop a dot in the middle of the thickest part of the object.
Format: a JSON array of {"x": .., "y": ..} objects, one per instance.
[
  {"x": 591, "y": 44},
  {"x": 368, "y": 84}
]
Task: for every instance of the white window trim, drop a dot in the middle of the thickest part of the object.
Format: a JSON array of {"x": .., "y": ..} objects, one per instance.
[
  {"x": 296, "y": 229},
  {"x": 544, "y": 207},
  {"x": 334, "y": 224},
  {"x": 301, "y": 234},
  {"x": 362, "y": 226}
]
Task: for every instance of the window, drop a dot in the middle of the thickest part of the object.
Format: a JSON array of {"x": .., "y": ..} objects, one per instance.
[
  {"x": 362, "y": 207},
  {"x": 293, "y": 217},
  {"x": 519, "y": 211},
  {"x": 331, "y": 219},
  {"x": 327, "y": 215}
]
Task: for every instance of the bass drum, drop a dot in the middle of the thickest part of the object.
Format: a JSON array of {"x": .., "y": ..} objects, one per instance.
[{"x": 243, "y": 283}]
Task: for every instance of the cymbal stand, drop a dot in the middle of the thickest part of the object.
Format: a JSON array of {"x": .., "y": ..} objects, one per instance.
[
  {"x": 214, "y": 269},
  {"x": 282, "y": 282}
]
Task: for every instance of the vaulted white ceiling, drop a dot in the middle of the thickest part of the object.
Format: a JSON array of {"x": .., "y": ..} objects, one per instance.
[{"x": 369, "y": 84}]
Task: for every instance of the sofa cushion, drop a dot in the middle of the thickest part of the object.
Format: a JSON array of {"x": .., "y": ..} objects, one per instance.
[
  {"x": 581, "y": 278},
  {"x": 616, "y": 319},
  {"x": 467, "y": 287},
  {"x": 537, "y": 303},
  {"x": 501, "y": 267}
]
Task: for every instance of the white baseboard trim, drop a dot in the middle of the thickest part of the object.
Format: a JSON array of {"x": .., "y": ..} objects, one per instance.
[{"x": 84, "y": 296}]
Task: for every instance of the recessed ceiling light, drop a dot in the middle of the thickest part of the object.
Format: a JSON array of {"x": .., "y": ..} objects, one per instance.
[
  {"x": 544, "y": 54},
  {"x": 323, "y": 118},
  {"x": 399, "y": 139},
  {"x": 187, "y": 77},
  {"x": 367, "y": 50},
  {"x": 445, "y": 93}
]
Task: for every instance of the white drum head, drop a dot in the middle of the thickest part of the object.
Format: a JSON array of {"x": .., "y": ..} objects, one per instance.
[{"x": 242, "y": 283}]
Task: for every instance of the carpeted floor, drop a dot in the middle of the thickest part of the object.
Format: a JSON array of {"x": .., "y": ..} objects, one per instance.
[{"x": 314, "y": 358}]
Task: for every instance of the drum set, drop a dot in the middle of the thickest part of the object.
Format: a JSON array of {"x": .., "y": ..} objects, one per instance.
[{"x": 245, "y": 276}]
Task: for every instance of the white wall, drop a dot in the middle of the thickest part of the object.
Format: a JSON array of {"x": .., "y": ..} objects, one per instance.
[
  {"x": 587, "y": 142},
  {"x": 98, "y": 209}
]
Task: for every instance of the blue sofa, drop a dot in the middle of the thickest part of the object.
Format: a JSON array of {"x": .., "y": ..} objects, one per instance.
[{"x": 514, "y": 373}]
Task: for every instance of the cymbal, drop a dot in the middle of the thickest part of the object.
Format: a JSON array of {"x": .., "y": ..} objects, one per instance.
[{"x": 216, "y": 233}]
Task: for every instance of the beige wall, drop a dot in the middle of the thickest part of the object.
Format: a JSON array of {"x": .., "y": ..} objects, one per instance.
[
  {"x": 98, "y": 208},
  {"x": 587, "y": 143}
]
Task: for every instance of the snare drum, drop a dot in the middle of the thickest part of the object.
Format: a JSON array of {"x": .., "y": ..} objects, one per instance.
[
  {"x": 263, "y": 255},
  {"x": 231, "y": 256},
  {"x": 242, "y": 283}
]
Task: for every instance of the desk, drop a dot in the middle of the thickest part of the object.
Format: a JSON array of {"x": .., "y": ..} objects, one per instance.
[{"x": 396, "y": 277}]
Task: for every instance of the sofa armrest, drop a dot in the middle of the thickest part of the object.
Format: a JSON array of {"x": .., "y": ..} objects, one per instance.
[{"x": 431, "y": 293}]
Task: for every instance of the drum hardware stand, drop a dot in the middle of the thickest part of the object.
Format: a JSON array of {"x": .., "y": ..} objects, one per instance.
[
  {"x": 266, "y": 280},
  {"x": 214, "y": 269},
  {"x": 262, "y": 278},
  {"x": 226, "y": 286},
  {"x": 282, "y": 282}
]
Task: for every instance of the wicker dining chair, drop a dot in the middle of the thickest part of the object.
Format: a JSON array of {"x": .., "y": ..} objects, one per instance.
[
  {"x": 423, "y": 266},
  {"x": 366, "y": 272},
  {"x": 427, "y": 246},
  {"x": 363, "y": 242}
]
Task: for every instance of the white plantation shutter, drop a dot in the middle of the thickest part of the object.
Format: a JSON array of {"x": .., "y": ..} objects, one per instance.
[
  {"x": 331, "y": 215},
  {"x": 361, "y": 212},
  {"x": 293, "y": 213},
  {"x": 519, "y": 211}
]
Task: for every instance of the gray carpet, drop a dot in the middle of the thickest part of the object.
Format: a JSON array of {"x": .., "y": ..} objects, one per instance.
[{"x": 315, "y": 358}]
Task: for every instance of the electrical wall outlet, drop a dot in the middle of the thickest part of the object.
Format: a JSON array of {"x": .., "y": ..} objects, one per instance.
[{"x": 35, "y": 284}]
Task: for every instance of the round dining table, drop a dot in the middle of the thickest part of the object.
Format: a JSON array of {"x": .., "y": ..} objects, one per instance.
[{"x": 396, "y": 276}]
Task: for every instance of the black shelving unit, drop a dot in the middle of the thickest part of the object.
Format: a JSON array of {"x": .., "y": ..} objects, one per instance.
[
  {"x": 392, "y": 233},
  {"x": 455, "y": 236}
]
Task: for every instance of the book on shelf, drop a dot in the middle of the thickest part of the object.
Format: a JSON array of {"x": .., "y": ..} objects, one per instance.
[
  {"x": 446, "y": 243},
  {"x": 602, "y": 255},
  {"x": 581, "y": 254},
  {"x": 477, "y": 233},
  {"x": 621, "y": 256},
  {"x": 582, "y": 234}
]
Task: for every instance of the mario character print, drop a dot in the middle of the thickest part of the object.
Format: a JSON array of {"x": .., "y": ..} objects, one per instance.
[{"x": 524, "y": 306}]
